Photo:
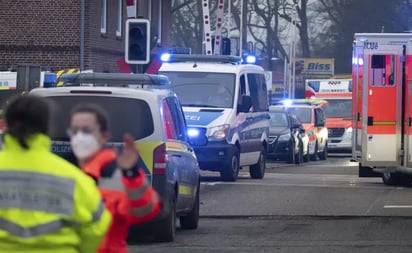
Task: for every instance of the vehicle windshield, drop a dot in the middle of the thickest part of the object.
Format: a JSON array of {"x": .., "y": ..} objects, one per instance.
[
  {"x": 278, "y": 119},
  {"x": 339, "y": 108},
  {"x": 198, "y": 89},
  {"x": 125, "y": 115},
  {"x": 304, "y": 114}
]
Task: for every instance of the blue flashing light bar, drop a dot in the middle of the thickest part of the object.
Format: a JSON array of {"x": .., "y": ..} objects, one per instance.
[
  {"x": 290, "y": 102},
  {"x": 167, "y": 57},
  {"x": 113, "y": 79}
]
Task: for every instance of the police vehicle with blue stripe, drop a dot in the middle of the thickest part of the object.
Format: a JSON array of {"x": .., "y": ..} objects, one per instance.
[
  {"x": 154, "y": 117},
  {"x": 226, "y": 101}
]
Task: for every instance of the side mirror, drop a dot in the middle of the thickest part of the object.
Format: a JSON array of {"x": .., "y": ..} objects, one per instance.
[
  {"x": 244, "y": 104},
  {"x": 320, "y": 124}
]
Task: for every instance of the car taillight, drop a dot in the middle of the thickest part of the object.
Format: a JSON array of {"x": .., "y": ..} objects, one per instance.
[
  {"x": 168, "y": 122},
  {"x": 159, "y": 160}
]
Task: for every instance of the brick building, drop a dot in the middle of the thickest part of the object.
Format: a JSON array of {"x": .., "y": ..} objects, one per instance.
[{"x": 49, "y": 32}]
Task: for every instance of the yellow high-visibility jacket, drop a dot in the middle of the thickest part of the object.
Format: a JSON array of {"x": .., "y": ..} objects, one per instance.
[{"x": 46, "y": 203}]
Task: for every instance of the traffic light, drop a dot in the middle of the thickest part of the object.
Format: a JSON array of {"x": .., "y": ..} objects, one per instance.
[
  {"x": 137, "y": 46},
  {"x": 226, "y": 46}
]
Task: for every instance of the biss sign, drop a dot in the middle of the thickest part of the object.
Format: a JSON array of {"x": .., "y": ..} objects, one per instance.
[{"x": 318, "y": 66}]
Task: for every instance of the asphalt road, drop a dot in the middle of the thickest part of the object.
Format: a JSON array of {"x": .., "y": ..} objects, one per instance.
[{"x": 317, "y": 207}]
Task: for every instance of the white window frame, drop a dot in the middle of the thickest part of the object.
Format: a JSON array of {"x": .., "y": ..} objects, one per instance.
[
  {"x": 103, "y": 20},
  {"x": 119, "y": 18}
]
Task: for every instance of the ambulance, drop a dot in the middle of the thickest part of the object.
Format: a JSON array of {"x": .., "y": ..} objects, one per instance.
[
  {"x": 338, "y": 93},
  {"x": 382, "y": 106}
]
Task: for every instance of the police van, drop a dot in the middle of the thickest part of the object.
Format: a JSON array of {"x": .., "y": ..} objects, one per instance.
[{"x": 226, "y": 101}]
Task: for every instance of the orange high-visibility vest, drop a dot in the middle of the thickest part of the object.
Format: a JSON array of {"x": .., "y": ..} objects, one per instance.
[{"x": 130, "y": 200}]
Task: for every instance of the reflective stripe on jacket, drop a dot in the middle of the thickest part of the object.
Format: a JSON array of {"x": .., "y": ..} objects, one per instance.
[
  {"x": 46, "y": 203},
  {"x": 130, "y": 200}
]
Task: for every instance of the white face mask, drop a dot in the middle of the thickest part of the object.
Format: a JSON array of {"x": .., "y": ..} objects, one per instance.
[{"x": 84, "y": 145}]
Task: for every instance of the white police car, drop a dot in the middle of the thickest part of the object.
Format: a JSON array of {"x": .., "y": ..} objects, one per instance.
[
  {"x": 156, "y": 120},
  {"x": 226, "y": 101}
]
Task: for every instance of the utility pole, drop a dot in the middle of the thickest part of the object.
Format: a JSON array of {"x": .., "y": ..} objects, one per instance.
[
  {"x": 243, "y": 25},
  {"x": 293, "y": 56}
]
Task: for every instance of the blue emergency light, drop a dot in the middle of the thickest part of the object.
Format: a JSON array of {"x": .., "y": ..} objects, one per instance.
[
  {"x": 193, "y": 132},
  {"x": 287, "y": 102},
  {"x": 50, "y": 80},
  {"x": 250, "y": 59},
  {"x": 165, "y": 57}
]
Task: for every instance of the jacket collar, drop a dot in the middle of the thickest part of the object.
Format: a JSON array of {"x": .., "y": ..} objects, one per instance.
[{"x": 35, "y": 142}]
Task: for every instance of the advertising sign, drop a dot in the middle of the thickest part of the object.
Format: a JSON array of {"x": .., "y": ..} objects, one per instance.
[{"x": 317, "y": 66}]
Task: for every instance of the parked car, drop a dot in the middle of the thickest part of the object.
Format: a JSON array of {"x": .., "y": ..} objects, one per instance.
[
  {"x": 155, "y": 118},
  {"x": 287, "y": 137},
  {"x": 312, "y": 115}
]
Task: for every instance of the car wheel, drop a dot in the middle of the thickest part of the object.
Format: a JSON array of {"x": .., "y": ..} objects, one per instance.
[
  {"x": 314, "y": 156},
  {"x": 299, "y": 155},
  {"x": 165, "y": 230},
  {"x": 306, "y": 157},
  {"x": 291, "y": 157},
  {"x": 231, "y": 172},
  {"x": 258, "y": 170},
  {"x": 391, "y": 178},
  {"x": 324, "y": 154},
  {"x": 191, "y": 220}
]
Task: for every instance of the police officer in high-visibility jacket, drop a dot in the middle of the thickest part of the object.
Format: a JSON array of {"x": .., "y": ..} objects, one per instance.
[
  {"x": 126, "y": 192},
  {"x": 46, "y": 203}
]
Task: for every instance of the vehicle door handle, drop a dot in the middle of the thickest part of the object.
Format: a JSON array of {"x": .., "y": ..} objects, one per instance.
[{"x": 176, "y": 155}]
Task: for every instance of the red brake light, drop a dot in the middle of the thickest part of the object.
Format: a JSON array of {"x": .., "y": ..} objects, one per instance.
[
  {"x": 168, "y": 122},
  {"x": 159, "y": 160}
]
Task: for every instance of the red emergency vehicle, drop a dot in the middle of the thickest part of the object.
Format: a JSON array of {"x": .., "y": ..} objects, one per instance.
[
  {"x": 338, "y": 93},
  {"x": 382, "y": 106}
]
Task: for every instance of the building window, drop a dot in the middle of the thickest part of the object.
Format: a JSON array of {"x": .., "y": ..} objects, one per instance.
[
  {"x": 103, "y": 21},
  {"x": 119, "y": 18}
]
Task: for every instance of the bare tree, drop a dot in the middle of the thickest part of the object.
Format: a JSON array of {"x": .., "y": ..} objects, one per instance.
[
  {"x": 187, "y": 27},
  {"x": 265, "y": 27},
  {"x": 346, "y": 17},
  {"x": 263, "y": 21},
  {"x": 295, "y": 12}
]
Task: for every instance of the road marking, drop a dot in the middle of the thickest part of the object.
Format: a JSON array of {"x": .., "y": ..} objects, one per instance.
[
  {"x": 397, "y": 206},
  {"x": 273, "y": 184}
]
